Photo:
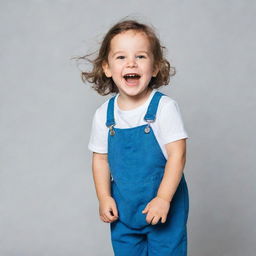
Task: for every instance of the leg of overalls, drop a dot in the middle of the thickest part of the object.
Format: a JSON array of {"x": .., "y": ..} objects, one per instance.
[{"x": 127, "y": 241}]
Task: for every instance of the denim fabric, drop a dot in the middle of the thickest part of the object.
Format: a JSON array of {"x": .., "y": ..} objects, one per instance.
[{"x": 137, "y": 165}]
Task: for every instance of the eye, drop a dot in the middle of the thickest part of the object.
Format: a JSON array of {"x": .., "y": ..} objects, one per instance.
[
  {"x": 121, "y": 57},
  {"x": 141, "y": 56}
]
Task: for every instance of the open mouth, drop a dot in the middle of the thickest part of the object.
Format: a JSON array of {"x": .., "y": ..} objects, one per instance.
[{"x": 132, "y": 78}]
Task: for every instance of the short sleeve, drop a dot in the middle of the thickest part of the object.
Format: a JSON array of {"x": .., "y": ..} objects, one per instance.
[
  {"x": 171, "y": 124},
  {"x": 99, "y": 131}
]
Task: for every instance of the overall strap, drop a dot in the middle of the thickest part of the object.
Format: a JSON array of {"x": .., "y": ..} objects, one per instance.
[
  {"x": 110, "y": 112},
  {"x": 149, "y": 116},
  {"x": 152, "y": 108}
]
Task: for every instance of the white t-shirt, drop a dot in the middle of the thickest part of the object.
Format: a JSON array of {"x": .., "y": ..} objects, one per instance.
[{"x": 168, "y": 125}]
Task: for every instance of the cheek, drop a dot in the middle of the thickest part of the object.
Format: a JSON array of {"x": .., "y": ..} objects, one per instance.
[
  {"x": 149, "y": 69},
  {"x": 148, "y": 65},
  {"x": 117, "y": 70}
]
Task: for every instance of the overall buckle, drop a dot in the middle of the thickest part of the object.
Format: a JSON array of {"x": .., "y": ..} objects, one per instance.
[{"x": 148, "y": 127}]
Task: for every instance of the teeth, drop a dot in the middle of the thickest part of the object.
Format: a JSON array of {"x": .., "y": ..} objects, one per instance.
[{"x": 130, "y": 75}]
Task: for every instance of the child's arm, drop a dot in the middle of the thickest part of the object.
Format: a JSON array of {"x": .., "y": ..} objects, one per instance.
[
  {"x": 173, "y": 169},
  {"x": 101, "y": 175}
]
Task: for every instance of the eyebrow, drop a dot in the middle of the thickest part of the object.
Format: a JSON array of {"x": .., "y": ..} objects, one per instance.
[{"x": 119, "y": 52}]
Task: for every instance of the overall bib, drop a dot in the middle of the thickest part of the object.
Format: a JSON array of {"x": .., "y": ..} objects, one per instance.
[{"x": 137, "y": 166}]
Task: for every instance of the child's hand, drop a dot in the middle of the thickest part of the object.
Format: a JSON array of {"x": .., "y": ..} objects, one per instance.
[
  {"x": 157, "y": 208},
  {"x": 107, "y": 209}
]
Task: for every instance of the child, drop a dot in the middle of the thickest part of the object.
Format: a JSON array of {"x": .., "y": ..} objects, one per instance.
[{"x": 138, "y": 142}]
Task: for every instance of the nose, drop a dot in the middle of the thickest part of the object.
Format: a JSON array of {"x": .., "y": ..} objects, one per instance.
[{"x": 131, "y": 62}]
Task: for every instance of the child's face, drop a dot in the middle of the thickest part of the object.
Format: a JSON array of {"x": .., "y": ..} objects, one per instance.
[{"x": 130, "y": 62}]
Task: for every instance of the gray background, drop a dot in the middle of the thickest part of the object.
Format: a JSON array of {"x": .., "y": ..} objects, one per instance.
[{"x": 48, "y": 205}]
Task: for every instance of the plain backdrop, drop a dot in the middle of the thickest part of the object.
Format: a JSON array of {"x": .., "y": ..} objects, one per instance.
[{"x": 48, "y": 204}]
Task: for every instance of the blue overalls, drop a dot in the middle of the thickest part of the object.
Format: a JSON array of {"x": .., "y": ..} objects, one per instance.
[{"x": 137, "y": 165}]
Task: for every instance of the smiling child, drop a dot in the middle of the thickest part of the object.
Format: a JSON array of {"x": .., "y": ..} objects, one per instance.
[{"x": 138, "y": 142}]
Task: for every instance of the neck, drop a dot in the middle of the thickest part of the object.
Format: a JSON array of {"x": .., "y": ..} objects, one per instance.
[{"x": 126, "y": 102}]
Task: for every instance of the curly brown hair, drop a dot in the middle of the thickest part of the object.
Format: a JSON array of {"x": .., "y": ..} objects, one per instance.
[{"x": 105, "y": 85}]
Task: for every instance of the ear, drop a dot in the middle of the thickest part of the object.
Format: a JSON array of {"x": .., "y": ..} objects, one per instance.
[
  {"x": 155, "y": 70},
  {"x": 106, "y": 69}
]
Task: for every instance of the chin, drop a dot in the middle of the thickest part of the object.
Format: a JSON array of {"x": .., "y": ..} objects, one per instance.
[{"x": 132, "y": 91}]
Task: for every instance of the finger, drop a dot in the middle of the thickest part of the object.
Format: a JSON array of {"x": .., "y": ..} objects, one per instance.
[
  {"x": 114, "y": 217},
  {"x": 106, "y": 217},
  {"x": 163, "y": 219},
  {"x": 146, "y": 209},
  {"x": 155, "y": 220},
  {"x": 109, "y": 216},
  {"x": 149, "y": 218},
  {"x": 115, "y": 212},
  {"x": 103, "y": 218}
]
